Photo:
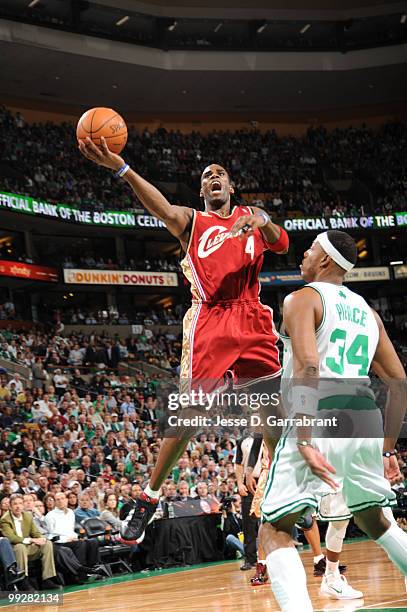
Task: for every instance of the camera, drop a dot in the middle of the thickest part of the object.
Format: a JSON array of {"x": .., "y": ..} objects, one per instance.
[
  {"x": 226, "y": 505},
  {"x": 401, "y": 498}
]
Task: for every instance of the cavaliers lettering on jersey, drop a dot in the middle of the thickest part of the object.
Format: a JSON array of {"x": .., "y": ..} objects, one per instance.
[{"x": 221, "y": 267}]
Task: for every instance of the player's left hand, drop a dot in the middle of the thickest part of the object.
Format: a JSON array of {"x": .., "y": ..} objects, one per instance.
[
  {"x": 250, "y": 483},
  {"x": 318, "y": 465},
  {"x": 100, "y": 155},
  {"x": 392, "y": 470},
  {"x": 246, "y": 225}
]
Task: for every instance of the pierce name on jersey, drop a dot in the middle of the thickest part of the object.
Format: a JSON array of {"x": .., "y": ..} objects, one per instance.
[{"x": 347, "y": 336}]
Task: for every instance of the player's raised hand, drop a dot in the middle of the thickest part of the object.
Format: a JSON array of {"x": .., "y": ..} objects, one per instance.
[
  {"x": 100, "y": 155},
  {"x": 392, "y": 470},
  {"x": 318, "y": 465},
  {"x": 246, "y": 225}
]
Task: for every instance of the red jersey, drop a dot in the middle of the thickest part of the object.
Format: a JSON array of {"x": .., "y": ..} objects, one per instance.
[{"x": 221, "y": 267}]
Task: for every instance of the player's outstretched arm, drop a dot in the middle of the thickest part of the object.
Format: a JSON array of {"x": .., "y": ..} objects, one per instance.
[
  {"x": 176, "y": 218},
  {"x": 302, "y": 314},
  {"x": 388, "y": 367}
]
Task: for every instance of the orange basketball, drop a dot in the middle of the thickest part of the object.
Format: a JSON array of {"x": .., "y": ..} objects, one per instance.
[{"x": 105, "y": 122}]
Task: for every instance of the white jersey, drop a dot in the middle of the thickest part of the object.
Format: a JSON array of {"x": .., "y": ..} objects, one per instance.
[
  {"x": 347, "y": 336},
  {"x": 347, "y": 339}
]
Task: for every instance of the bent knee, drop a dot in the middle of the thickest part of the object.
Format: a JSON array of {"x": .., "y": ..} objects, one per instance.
[{"x": 271, "y": 538}]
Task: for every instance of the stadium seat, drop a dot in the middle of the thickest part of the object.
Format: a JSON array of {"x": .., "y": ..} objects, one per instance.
[{"x": 112, "y": 554}]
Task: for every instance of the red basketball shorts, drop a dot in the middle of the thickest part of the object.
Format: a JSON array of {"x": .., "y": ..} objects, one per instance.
[{"x": 235, "y": 337}]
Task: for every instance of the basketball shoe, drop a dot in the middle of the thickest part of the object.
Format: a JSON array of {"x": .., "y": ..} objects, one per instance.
[
  {"x": 336, "y": 586},
  {"x": 135, "y": 523},
  {"x": 261, "y": 575}
]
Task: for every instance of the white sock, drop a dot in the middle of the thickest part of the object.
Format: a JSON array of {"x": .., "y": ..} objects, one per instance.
[
  {"x": 151, "y": 493},
  {"x": 262, "y": 562},
  {"x": 288, "y": 580},
  {"x": 388, "y": 513},
  {"x": 394, "y": 542},
  {"x": 332, "y": 567},
  {"x": 318, "y": 558}
]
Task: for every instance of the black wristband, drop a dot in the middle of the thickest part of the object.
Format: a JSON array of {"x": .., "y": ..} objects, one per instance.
[{"x": 389, "y": 454}]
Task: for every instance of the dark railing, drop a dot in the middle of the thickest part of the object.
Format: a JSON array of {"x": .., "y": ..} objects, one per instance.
[{"x": 210, "y": 34}]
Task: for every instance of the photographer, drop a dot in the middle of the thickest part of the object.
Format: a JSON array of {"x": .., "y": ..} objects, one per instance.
[{"x": 232, "y": 526}]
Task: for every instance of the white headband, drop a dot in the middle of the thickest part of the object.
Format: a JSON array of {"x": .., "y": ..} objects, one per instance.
[{"x": 330, "y": 250}]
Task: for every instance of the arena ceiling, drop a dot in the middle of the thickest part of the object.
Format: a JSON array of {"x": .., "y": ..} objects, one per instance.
[
  {"x": 57, "y": 78},
  {"x": 62, "y": 66}
]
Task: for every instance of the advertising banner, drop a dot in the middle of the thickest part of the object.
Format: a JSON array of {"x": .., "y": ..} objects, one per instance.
[
  {"x": 287, "y": 277},
  {"x": 19, "y": 269},
  {"x": 120, "y": 277},
  {"x": 66, "y": 212},
  {"x": 129, "y": 219},
  {"x": 368, "y": 274},
  {"x": 321, "y": 224},
  {"x": 292, "y": 277}
]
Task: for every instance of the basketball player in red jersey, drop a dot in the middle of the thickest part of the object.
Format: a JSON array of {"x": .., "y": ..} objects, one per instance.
[{"x": 226, "y": 329}]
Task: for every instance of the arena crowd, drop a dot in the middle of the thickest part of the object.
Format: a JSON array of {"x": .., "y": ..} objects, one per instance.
[{"x": 294, "y": 172}]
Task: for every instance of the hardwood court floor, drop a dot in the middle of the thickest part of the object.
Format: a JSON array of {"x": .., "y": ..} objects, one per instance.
[{"x": 223, "y": 588}]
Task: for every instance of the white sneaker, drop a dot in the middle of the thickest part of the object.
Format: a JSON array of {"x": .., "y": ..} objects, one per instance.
[{"x": 337, "y": 587}]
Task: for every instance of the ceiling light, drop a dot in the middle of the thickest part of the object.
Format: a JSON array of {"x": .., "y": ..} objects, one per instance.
[
  {"x": 218, "y": 27},
  {"x": 33, "y": 3},
  {"x": 172, "y": 27},
  {"x": 403, "y": 18},
  {"x": 122, "y": 20},
  {"x": 261, "y": 28},
  {"x": 396, "y": 263},
  {"x": 305, "y": 28}
]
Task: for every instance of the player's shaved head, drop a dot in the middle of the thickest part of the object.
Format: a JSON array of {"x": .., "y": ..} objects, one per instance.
[
  {"x": 345, "y": 244},
  {"x": 318, "y": 265}
]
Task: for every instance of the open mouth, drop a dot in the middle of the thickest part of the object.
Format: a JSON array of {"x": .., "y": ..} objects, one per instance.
[{"x": 216, "y": 186}]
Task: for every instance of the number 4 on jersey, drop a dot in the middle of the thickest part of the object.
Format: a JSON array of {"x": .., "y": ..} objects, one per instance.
[{"x": 250, "y": 246}]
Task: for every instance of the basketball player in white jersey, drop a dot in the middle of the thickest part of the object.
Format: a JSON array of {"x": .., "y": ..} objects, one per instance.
[{"x": 336, "y": 336}]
